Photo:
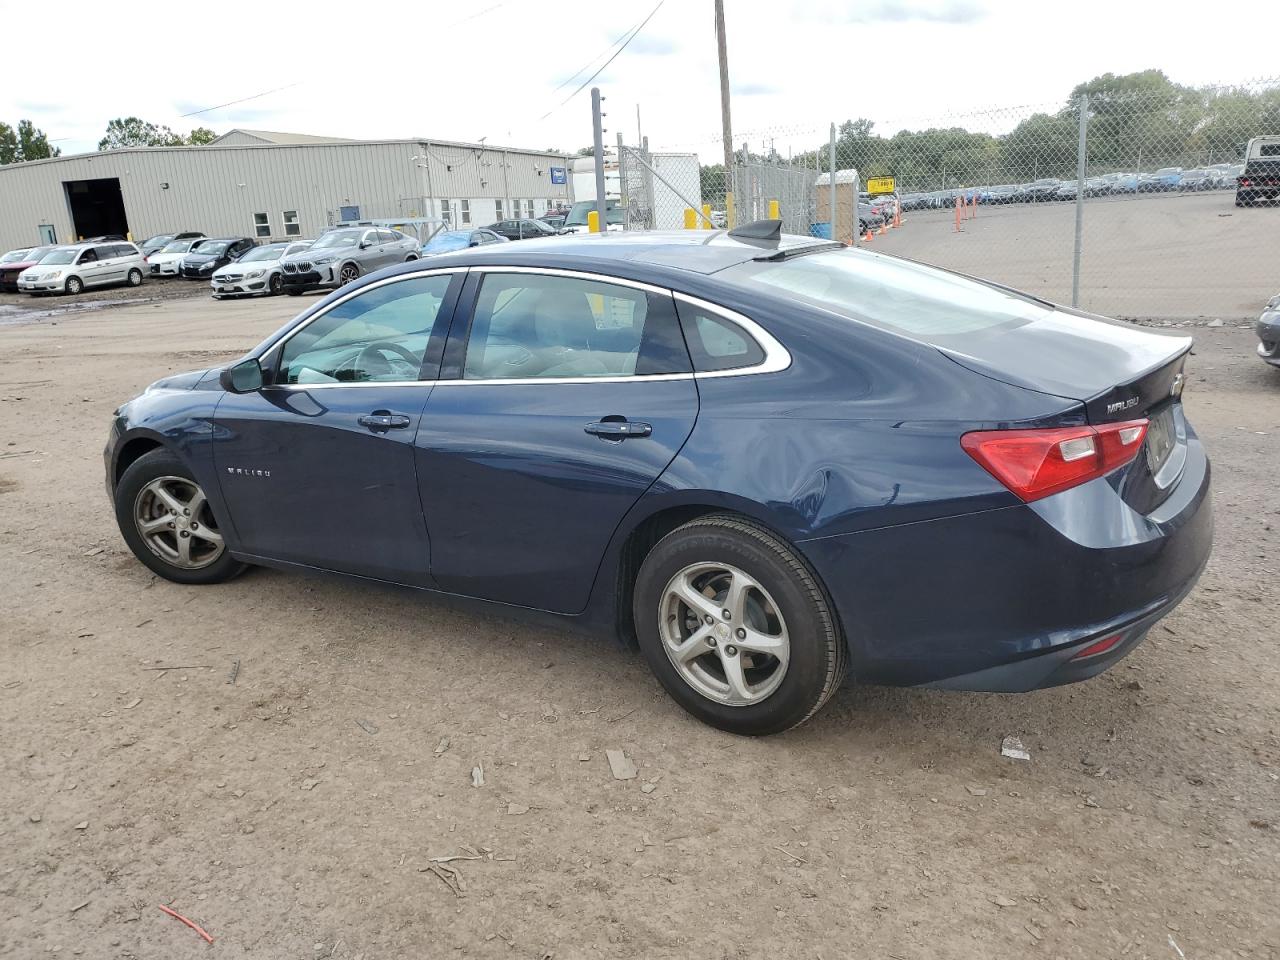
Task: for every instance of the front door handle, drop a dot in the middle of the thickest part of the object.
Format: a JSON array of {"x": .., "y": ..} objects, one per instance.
[
  {"x": 381, "y": 420},
  {"x": 619, "y": 429}
]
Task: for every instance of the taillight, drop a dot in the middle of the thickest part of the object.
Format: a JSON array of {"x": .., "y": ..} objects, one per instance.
[
  {"x": 1037, "y": 463},
  {"x": 1101, "y": 646},
  {"x": 1244, "y": 181}
]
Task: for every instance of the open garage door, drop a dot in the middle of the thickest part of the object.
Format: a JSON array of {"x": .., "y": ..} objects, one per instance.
[{"x": 97, "y": 207}]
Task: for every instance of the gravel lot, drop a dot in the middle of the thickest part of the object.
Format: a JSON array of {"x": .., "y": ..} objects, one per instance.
[
  {"x": 294, "y": 812},
  {"x": 1167, "y": 255},
  {"x": 24, "y": 308}
]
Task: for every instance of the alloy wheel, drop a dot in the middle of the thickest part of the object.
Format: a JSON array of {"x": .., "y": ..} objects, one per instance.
[
  {"x": 174, "y": 520},
  {"x": 349, "y": 273},
  {"x": 724, "y": 634}
]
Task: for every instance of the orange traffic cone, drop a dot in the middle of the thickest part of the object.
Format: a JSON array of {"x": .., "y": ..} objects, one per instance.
[
  {"x": 883, "y": 228},
  {"x": 868, "y": 236},
  {"x": 897, "y": 216}
]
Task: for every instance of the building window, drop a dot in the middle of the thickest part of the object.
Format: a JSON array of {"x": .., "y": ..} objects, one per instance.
[
  {"x": 292, "y": 228},
  {"x": 445, "y": 215},
  {"x": 465, "y": 207},
  {"x": 261, "y": 225},
  {"x": 501, "y": 214}
]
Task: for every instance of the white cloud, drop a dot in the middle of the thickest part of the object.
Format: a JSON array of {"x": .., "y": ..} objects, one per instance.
[{"x": 383, "y": 69}]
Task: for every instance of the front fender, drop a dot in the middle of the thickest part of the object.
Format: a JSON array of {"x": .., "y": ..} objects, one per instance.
[{"x": 181, "y": 421}]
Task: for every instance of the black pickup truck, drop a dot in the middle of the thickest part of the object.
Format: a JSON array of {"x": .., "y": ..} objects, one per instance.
[{"x": 1261, "y": 177}]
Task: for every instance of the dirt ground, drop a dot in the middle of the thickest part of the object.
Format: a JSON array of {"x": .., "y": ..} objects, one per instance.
[
  {"x": 25, "y": 308},
  {"x": 292, "y": 805}
]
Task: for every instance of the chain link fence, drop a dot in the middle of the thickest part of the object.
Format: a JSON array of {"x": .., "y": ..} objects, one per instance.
[{"x": 1122, "y": 199}]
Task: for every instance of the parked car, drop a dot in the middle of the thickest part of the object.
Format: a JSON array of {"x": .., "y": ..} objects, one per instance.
[
  {"x": 213, "y": 253},
  {"x": 573, "y": 445},
  {"x": 16, "y": 261},
  {"x": 167, "y": 262},
  {"x": 1096, "y": 186},
  {"x": 1067, "y": 190},
  {"x": 554, "y": 220},
  {"x": 576, "y": 220},
  {"x": 1260, "y": 179},
  {"x": 522, "y": 229},
  {"x": 256, "y": 272},
  {"x": 341, "y": 256},
  {"x": 1195, "y": 180},
  {"x": 1043, "y": 189},
  {"x": 155, "y": 244},
  {"x": 447, "y": 241},
  {"x": 105, "y": 238},
  {"x": 71, "y": 269},
  {"x": 1168, "y": 178},
  {"x": 1268, "y": 330},
  {"x": 1121, "y": 183}
]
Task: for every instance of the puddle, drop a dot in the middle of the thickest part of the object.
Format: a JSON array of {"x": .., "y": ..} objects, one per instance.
[{"x": 10, "y": 316}]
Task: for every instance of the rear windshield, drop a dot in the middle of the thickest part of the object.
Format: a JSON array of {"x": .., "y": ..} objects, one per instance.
[{"x": 899, "y": 295}]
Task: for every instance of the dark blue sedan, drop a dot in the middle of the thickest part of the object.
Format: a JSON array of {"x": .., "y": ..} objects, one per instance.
[{"x": 768, "y": 460}]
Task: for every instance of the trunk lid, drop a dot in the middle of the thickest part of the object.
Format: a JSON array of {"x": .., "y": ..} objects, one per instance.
[{"x": 1117, "y": 372}]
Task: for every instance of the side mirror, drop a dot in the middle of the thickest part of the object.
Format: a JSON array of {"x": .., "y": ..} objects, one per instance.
[
  {"x": 242, "y": 377},
  {"x": 474, "y": 243},
  {"x": 365, "y": 244}
]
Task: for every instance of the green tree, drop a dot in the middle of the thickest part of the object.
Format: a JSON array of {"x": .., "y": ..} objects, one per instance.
[
  {"x": 26, "y": 143},
  {"x": 136, "y": 132}
]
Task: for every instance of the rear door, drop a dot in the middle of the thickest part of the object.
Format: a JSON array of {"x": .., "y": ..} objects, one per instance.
[{"x": 563, "y": 398}]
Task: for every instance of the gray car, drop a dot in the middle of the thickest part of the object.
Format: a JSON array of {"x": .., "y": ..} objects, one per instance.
[{"x": 343, "y": 255}]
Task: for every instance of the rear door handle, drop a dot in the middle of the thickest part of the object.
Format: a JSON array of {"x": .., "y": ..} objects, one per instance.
[
  {"x": 619, "y": 429},
  {"x": 381, "y": 420}
]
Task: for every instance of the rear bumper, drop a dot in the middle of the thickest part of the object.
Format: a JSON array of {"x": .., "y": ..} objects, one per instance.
[{"x": 1003, "y": 599}]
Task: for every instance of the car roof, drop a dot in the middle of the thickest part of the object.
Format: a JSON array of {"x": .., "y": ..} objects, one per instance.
[{"x": 696, "y": 251}]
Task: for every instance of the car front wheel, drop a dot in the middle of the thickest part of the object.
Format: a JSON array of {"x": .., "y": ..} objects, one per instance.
[
  {"x": 737, "y": 628},
  {"x": 348, "y": 273},
  {"x": 73, "y": 285},
  {"x": 165, "y": 518}
]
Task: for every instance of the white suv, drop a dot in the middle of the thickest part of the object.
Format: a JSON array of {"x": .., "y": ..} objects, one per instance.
[{"x": 72, "y": 269}]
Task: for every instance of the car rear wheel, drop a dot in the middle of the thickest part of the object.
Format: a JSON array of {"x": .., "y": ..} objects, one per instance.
[
  {"x": 135, "y": 277},
  {"x": 736, "y": 627},
  {"x": 274, "y": 284},
  {"x": 73, "y": 285},
  {"x": 165, "y": 518}
]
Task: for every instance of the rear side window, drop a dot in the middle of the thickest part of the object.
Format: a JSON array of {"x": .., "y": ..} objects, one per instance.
[
  {"x": 536, "y": 326},
  {"x": 717, "y": 343},
  {"x": 910, "y": 298}
]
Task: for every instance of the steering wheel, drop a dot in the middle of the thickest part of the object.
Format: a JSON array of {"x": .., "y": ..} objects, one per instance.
[{"x": 365, "y": 359}]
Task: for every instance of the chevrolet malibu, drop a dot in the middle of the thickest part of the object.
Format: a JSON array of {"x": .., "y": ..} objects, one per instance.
[{"x": 768, "y": 460}]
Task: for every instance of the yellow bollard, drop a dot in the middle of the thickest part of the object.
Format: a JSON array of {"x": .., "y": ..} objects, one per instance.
[
  {"x": 593, "y": 221},
  {"x": 690, "y": 218},
  {"x": 706, "y": 216},
  {"x": 775, "y": 212}
]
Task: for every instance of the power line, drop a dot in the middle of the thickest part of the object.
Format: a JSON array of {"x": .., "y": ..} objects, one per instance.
[
  {"x": 626, "y": 39},
  {"x": 232, "y": 103}
]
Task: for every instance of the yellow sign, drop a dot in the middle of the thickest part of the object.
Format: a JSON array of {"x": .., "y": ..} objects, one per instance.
[{"x": 880, "y": 185}]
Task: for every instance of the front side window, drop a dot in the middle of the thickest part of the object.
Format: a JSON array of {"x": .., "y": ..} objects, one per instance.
[
  {"x": 261, "y": 225},
  {"x": 89, "y": 256},
  {"x": 530, "y": 325},
  {"x": 379, "y": 335},
  {"x": 292, "y": 226}
]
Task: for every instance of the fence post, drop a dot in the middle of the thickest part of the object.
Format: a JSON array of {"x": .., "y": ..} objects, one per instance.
[
  {"x": 1081, "y": 151},
  {"x": 832, "y": 164}
]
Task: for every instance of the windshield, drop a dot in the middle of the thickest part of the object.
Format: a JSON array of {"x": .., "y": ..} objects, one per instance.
[
  {"x": 578, "y": 213},
  {"x": 271, "y": 252},
  {"x": 338, "y": 238},
  {"x": 215, "y": 248},
  {"x": 62, "y": 255},
  {"x": 895, "y": 294},
  {"x": 452, "y": 240},
  {"x": 14, "y": 256},
  {"x": 177, "y": 246}
]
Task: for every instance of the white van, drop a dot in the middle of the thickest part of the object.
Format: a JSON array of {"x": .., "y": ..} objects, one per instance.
[{"x": 71, "y": 269}]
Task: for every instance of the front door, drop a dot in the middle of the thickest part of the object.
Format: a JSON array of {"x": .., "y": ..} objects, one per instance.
[
  {"x": 567, "y": 397},
  {"x": 317, "y": 467}
]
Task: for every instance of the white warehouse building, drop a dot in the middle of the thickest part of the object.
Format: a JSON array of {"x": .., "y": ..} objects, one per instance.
[{"x": 271, "y": 186}]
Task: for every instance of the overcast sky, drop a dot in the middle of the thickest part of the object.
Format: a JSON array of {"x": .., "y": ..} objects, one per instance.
[{"x": 472, "y": 69}]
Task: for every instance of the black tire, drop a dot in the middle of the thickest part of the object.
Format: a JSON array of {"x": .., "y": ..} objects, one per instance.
[
  {"x": 294, "y": 292},
  {"x": 1244, "y": 198},
  {"x": 73, "y": 286},
  {"x": 275, "y": 284},
  {"x": 410, "y": 258},
  {"x": 151, "y": 466},
  {"x": 135, "y": 277},
  {"x": 818, "y": 653}
]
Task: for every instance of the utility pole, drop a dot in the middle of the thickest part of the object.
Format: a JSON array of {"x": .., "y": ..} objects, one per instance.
[
  {"x": 597, "y": 132},
  {"x": 726, "y": 125}
]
